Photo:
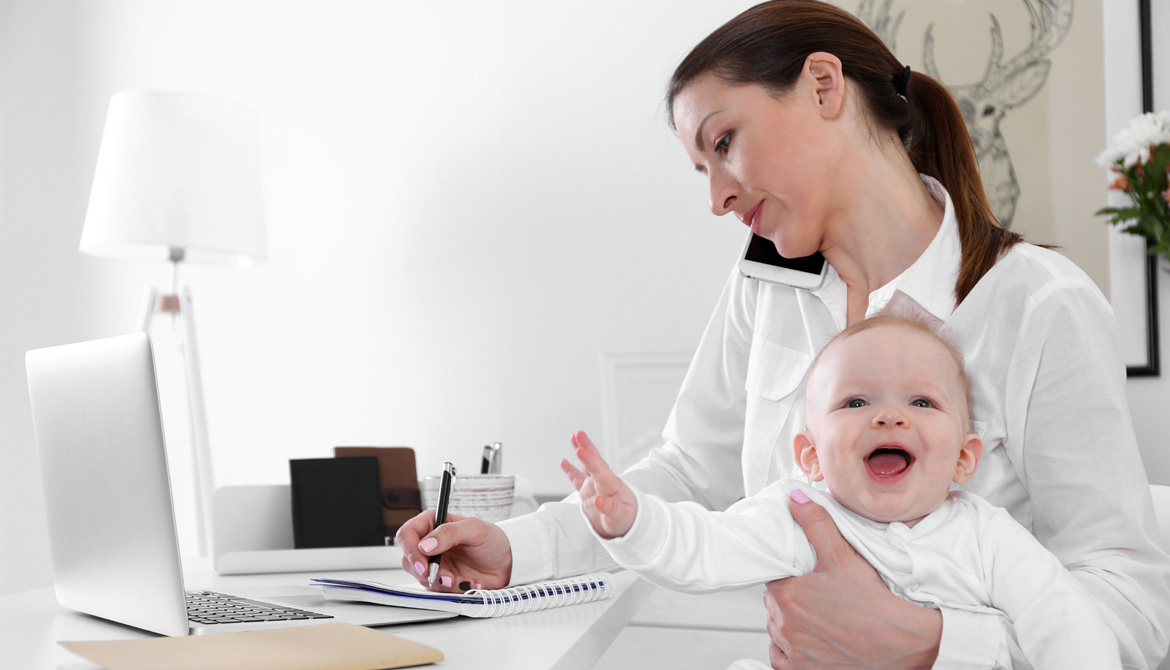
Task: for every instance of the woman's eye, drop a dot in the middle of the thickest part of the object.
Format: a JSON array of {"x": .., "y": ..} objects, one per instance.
[
  {"x": 723, "y": 144},
  {"x": 856, "y": 402},
  {"x": 921, "y": 402}
]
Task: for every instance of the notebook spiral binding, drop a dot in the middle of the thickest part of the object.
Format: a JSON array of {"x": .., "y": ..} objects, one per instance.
[{"x": 532, "y": 597}]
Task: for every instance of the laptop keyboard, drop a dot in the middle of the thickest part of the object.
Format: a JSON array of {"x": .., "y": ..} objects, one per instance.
[{"x": 209, "y": 607}]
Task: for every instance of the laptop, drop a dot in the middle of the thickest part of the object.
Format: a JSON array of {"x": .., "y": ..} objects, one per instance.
[{"x": 114, "y": 545}]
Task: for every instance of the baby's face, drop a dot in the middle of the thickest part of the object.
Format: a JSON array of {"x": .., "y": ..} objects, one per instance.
[{"x": 888, "y": 424}]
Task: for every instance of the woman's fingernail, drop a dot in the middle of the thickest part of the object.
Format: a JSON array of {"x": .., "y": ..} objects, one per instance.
[
  {"x": 464, "y": 585},
  {"x": 445, "y": 581},
  {"x": 420, "y": 568},
  {"x": 799, "y": 496},
  {"x": 478, "y": 586},
  {"x": 428, "y": 544}
]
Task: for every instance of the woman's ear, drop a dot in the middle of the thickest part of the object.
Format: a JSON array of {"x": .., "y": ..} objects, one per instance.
[
  {"x": 969, "y": 457},
  {"x": 806, "y": 456},
  {"x": 824, "y": 71}
]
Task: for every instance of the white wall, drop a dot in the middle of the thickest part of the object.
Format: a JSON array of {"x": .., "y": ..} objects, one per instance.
[
  {"x": 469, "y": 202},
  {"x": 41, "y": 202}
]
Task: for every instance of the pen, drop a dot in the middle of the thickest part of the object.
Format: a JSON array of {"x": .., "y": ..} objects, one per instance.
[
  {"x": 497, "y": 459},
  {"x": 492, "y": 458},
  {"x": 445, "y": 485}
]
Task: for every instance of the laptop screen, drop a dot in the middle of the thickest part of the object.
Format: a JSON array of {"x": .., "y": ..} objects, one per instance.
[{"x": 96, "y": 417}]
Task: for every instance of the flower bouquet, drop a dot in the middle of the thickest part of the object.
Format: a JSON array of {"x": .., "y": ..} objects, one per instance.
[{"x": 1138, "y": 158}]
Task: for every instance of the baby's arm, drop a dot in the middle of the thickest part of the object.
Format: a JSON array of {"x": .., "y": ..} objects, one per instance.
[
  {"x": 1057, "y": 623},
  {"x": 684, "y": 546}
]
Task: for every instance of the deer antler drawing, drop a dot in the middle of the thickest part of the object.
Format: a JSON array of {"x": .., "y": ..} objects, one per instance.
[
  {"x": 1005, "y": 86},
  {"x": 881, "y": 23}
]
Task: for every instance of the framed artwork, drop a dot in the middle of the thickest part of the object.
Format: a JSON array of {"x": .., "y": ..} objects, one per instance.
[
  {"x": 1029, "y": 76},
  {"x": 1150, "y": 366},
  {"x": 1133, "y": 272}
]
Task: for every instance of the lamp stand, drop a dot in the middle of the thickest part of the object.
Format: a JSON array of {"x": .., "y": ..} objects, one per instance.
[{"x": 178, "y": 305}]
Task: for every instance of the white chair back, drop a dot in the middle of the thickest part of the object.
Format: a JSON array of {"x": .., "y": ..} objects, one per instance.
[{"x": 1161, "y": 496}]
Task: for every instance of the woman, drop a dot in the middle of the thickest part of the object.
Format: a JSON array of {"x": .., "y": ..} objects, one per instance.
[{"x": 813, "y": 134}]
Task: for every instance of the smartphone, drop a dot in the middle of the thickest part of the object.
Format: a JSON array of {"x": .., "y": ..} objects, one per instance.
[{"x": 761, "y": 261}]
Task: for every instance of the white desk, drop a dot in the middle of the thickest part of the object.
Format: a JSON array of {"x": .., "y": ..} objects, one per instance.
[{"x": 567, "y": 638}]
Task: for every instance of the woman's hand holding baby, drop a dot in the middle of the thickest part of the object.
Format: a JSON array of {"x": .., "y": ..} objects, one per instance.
[{"x": 609, "y": 504}]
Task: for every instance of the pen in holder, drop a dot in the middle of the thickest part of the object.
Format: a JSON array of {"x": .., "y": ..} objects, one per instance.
[{"x": 493, "y": 459}]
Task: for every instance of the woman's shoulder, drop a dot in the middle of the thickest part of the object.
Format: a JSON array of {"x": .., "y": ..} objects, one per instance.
[
  {"x": 1027, "y": 273},
  {"x": 1041, "y": 264}
]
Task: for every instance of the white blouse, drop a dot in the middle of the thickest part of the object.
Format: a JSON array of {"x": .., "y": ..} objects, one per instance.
[{"x": 1047, "y": 385}]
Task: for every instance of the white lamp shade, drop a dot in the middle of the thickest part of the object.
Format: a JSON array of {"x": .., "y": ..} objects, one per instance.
[{"x": 177, "y": 171}]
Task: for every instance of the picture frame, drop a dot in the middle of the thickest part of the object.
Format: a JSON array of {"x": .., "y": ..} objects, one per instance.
[
  {"x": 1016, "y": 68},
  {"x": 1151, "y": 367},
  {"x": 1044, "y": 58},
  {"x": 1134, "y": 273}
]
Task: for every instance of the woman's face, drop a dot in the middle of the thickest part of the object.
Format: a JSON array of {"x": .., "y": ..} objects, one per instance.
[{"x": 767, "y": 159}]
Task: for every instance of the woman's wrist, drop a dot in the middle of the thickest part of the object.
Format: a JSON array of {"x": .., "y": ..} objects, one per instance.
[{"x": 920, "y": 635}]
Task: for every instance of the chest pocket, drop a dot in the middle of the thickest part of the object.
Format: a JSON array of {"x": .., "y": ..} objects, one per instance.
[{"x": 774, "y": 370}]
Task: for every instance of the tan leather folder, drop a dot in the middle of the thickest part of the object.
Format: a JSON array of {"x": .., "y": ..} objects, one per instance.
[
  {"x": 400, "y": 496},
  {"x": 322, "y": 647}
]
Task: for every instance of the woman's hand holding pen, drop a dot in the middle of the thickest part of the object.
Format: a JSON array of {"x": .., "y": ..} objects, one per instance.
[
  {"x": 609, "y": 503},
  {"x": 476, "y": 554}
]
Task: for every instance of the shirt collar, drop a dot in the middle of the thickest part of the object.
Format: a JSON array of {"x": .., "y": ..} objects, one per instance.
[{"x": 930, "y": 280}]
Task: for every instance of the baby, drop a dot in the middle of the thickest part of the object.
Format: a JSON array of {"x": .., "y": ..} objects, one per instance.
[{"x": 888, "y": 432}]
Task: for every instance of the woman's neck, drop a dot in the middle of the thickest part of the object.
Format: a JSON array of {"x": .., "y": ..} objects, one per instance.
[{"x": 886, "y": 220}]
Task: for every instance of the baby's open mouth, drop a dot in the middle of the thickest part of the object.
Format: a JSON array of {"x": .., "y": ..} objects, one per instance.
[{"x": 888, "y": 461}]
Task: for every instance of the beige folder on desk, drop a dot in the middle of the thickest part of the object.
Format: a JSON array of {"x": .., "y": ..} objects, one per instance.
[{"x": 335, "y": 646}]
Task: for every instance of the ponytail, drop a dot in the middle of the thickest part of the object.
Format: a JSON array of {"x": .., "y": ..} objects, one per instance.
[{"x": 936, "y": 138}]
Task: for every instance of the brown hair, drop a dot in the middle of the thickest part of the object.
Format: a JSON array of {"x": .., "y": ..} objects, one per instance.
[{"x": 768, "y": 45}]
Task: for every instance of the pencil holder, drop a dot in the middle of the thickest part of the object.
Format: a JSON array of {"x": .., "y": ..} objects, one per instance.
[{"x": 487, "y": 497}]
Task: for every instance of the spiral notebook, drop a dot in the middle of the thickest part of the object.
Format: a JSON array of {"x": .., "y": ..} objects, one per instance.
[{"x": 477, "y": 602}]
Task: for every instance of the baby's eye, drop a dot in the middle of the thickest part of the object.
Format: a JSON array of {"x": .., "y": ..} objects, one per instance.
[
  {"x": 723, "y": 144},
  {"x": 856, "y": 402},
  {"x": 921, "y": 402}
]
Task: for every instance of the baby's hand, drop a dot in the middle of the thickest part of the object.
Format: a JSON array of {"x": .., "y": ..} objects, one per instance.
[{"x": 609, "y": 504}]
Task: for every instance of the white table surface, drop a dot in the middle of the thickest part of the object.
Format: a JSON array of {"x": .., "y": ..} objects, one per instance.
[{"x": 567, "y": 638}]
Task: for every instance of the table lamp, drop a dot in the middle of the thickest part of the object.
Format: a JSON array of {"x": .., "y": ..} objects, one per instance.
[{"x": 178, "y": 178}]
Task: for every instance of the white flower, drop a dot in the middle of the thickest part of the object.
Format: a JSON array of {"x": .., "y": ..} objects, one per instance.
[{"x": 1133, "y": 142}]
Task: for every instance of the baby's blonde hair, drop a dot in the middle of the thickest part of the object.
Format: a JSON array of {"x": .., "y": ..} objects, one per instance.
[{"x": 903, "y": 311}]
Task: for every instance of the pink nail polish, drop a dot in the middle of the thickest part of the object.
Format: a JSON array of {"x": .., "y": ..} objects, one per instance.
[
  {"x": 445, "y": 580},
  {"x": 428, "y": 544},
  {"x": 420, "y": 568},
  {"x": 799, "y": 496}
]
